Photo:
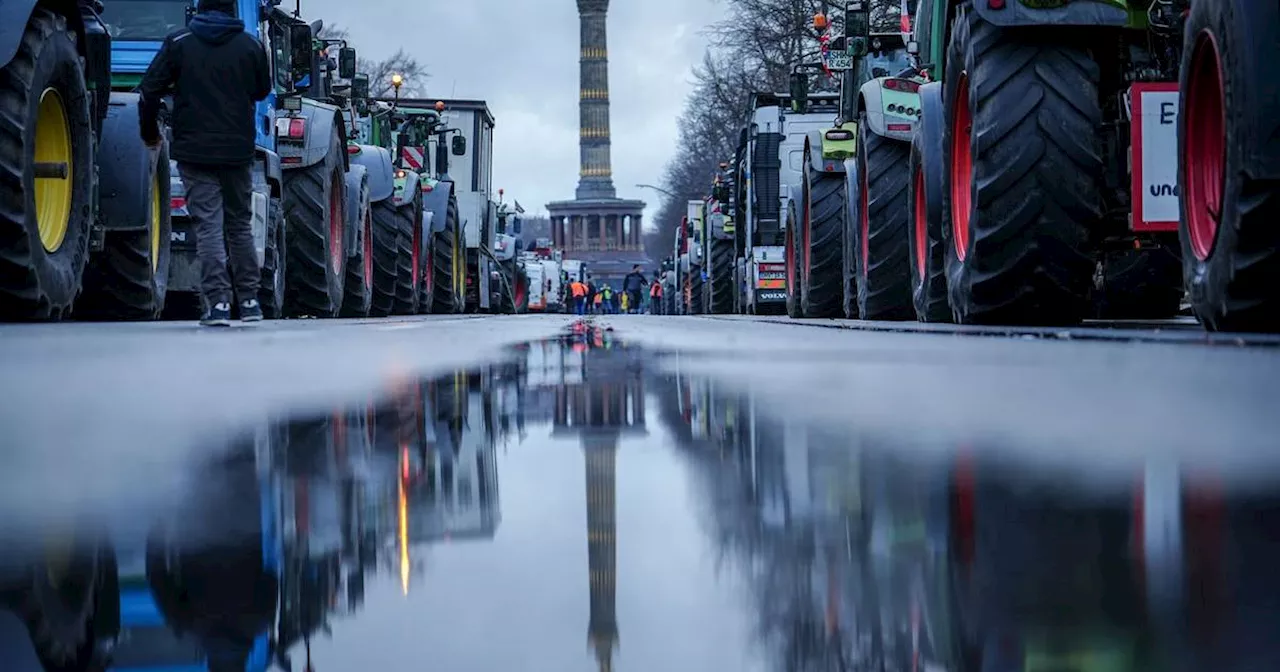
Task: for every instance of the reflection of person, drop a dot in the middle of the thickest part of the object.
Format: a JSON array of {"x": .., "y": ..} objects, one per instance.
[{"x": 216, "y": 73}]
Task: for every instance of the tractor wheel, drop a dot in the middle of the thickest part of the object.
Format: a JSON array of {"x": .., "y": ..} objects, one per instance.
[
  {"x": 794, "y": 278},
  {"x": 44, "y": 119},
  {"x": 1228, "y": 141},
  {"x": 926, "y": 212},
  {"x": 410, "y": 256},
  {"x": 884, "y": 270},
  {"x": 271, "y": 285},
  {"x": 444, "y": 257},
  {"x": 723, "y": 288},
  {"x": 315, "y": 216},
  {"x": 1024, "y": 174},
  {"x": 129, "y": 278},
  {"x": 357, "y": 297},
  {"x": 1142, "y": 284},
  {"x": 426, "y": 269},
  {"x": 386, "y": 256},
  {"x": 822, "y": 284},
  {"x": 696, "y": 306}
]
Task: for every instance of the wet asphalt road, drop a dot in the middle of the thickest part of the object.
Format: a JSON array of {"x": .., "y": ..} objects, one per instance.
[{"x": 676, "y": 493}]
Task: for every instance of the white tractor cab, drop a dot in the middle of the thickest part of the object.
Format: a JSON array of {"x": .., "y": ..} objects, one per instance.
[{"x": 469, "y": 125}]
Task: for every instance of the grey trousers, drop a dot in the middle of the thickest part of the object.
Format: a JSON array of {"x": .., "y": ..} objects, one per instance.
[{"x": 220, "y": 199}]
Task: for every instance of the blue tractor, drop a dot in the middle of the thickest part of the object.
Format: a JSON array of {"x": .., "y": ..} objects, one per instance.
[
  {"x": 302, "y": 224},
  {"x": 85, "y": 221}
]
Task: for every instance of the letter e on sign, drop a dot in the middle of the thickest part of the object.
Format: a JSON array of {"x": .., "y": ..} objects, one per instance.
[{"x": 1154, "y": 140}]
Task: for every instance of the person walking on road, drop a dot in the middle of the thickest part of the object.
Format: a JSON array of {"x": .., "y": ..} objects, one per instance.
[
  {"x": 216, "y": 73},
  {"x": 591, "y": 294},
  {"x": 633, "y": 285},
  {"x": 579, "y": 291}
]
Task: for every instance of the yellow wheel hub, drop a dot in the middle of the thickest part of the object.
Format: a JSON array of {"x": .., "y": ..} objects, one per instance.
[
  {"x": 54, "y": 168},
  {"x": 155, "y": 221}
]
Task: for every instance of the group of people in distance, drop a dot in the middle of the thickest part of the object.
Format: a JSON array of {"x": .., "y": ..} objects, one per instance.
[{"x": 590, "y": 299}]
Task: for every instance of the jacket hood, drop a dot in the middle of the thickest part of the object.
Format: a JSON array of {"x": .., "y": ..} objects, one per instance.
[{"x": 215, "y": 27}]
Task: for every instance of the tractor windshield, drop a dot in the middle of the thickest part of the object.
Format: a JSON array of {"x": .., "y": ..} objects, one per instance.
[
  {"x": 886, "y": 16},
  {"x": 145, "y": 20}
]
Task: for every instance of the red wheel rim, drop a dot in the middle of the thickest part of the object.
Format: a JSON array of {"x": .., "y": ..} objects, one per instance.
[
  {"x": 368, "y": 249},
  {"x": 864, "y": 218},
  {"x": 961, "y": 168},
  {"x": 335, "y": 222},
  {"x": 1206, "y": 145},
  {"x": 791, "y": 258},
  {"x": 921, "y": 239},
  {"x": 417, "y": 253}
]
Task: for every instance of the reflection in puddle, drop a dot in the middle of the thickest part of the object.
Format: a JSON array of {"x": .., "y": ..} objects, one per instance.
[{"x": 443, "y": 526}]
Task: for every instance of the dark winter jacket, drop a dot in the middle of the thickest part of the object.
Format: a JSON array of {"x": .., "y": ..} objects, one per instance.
[
  {"x": 634, "y": 282},
  {"x": 216, "y": 74}
]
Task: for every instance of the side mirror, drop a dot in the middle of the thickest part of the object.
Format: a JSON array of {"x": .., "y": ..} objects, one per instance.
[
  {"x": 300, "y": 54},
  {"x": 742, "y": 137},
  {"x": 459, "y": 145},
  {"x": 913, "y": 48},
  {"x": 346, "y": 62},
  {"x": 857, "y": 27},
  {"x": 799, "y": 90},
  {"x": 516, "y": 226}
]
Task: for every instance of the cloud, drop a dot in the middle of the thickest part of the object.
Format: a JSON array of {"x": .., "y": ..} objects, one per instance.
[{"x": 521, "y": 56}]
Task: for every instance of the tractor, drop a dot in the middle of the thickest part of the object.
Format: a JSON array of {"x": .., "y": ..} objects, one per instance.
[
  {"x": 720, "y": 283},
  {"x": 86, "y": 221},
  {"x": 1047, "y": 186}
]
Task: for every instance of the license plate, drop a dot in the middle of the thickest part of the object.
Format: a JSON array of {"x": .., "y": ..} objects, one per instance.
[
  {"x": 839, "y": 60},
  {"x": 774, "y": 275}
]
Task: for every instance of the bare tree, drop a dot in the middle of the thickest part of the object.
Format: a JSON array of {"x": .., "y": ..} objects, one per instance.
[{"x": 401, "y": 62}]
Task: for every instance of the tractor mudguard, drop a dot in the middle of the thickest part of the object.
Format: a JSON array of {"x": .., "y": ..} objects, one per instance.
[
  {"x": 13, "y": 23},
  {"x": 1057, "y": 13},
  {"x": 827, "y": 155},
  {"x": 271, "y": 170},
  {"x": 124, "y": 168},
  {"x": 405, "y": 188},
  {"x": 382, "y": 175},
  {"x": 357, "y": 183},
  {"x": 931, "y": 110},
  {"x": 876, "y": 100},
  {"x": 436, "y": 202},
  {"x": 321, "y": 118}
]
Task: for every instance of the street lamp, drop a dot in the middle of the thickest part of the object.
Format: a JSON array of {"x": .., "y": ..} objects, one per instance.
[{"x": 657, "y": 189}]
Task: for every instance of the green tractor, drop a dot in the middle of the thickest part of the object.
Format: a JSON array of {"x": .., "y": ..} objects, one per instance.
[
  {"x": 1043, "y": 178},
  {"x": 721, "y": 282},
  {"x": 400, "y": 263}
]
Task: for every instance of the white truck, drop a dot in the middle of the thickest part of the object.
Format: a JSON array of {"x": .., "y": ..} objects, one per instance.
[{"x": 472, "y": 173}]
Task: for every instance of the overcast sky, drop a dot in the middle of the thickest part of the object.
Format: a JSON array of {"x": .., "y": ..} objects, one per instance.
[{"x": 522, "y": 57}]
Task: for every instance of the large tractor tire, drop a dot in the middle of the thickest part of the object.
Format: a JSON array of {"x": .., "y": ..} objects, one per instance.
[
  {"x": 44, "y": 221},
  {"x": 1229, "y": 173},
  {"x": 1140, "y": 284},
  {"x": 884, "y": 271},
  {"x": 357, "y": 296},
  {"x": 410, "y": 257},
  {"x": 515, "y": 295},
  {"x": 721, "y": 289},
  {"x": 271, "y": 287},
  {"x": 822, "y": 244},
  {"x": 696, "y": 306},
  {"x": 1024, "y": 173},
  {"x": 386, "y": 256},
  {"x": 926, "y": 212},
  {"x": 129, "y": 278},
  {"x": 315, "y": 215},
  {"x": 448, "y": 261}
]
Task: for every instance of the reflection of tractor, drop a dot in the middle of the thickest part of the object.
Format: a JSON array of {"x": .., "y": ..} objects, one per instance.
[{"x": 69, "y": 142}]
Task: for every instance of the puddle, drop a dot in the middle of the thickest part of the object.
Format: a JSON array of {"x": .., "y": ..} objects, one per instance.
[{"x": 582, "y": 505}]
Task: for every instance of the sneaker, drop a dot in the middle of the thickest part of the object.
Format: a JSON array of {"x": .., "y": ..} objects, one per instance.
[
  {"x": 250, "y": 311},
  {"x": 219, "y": 315}
]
